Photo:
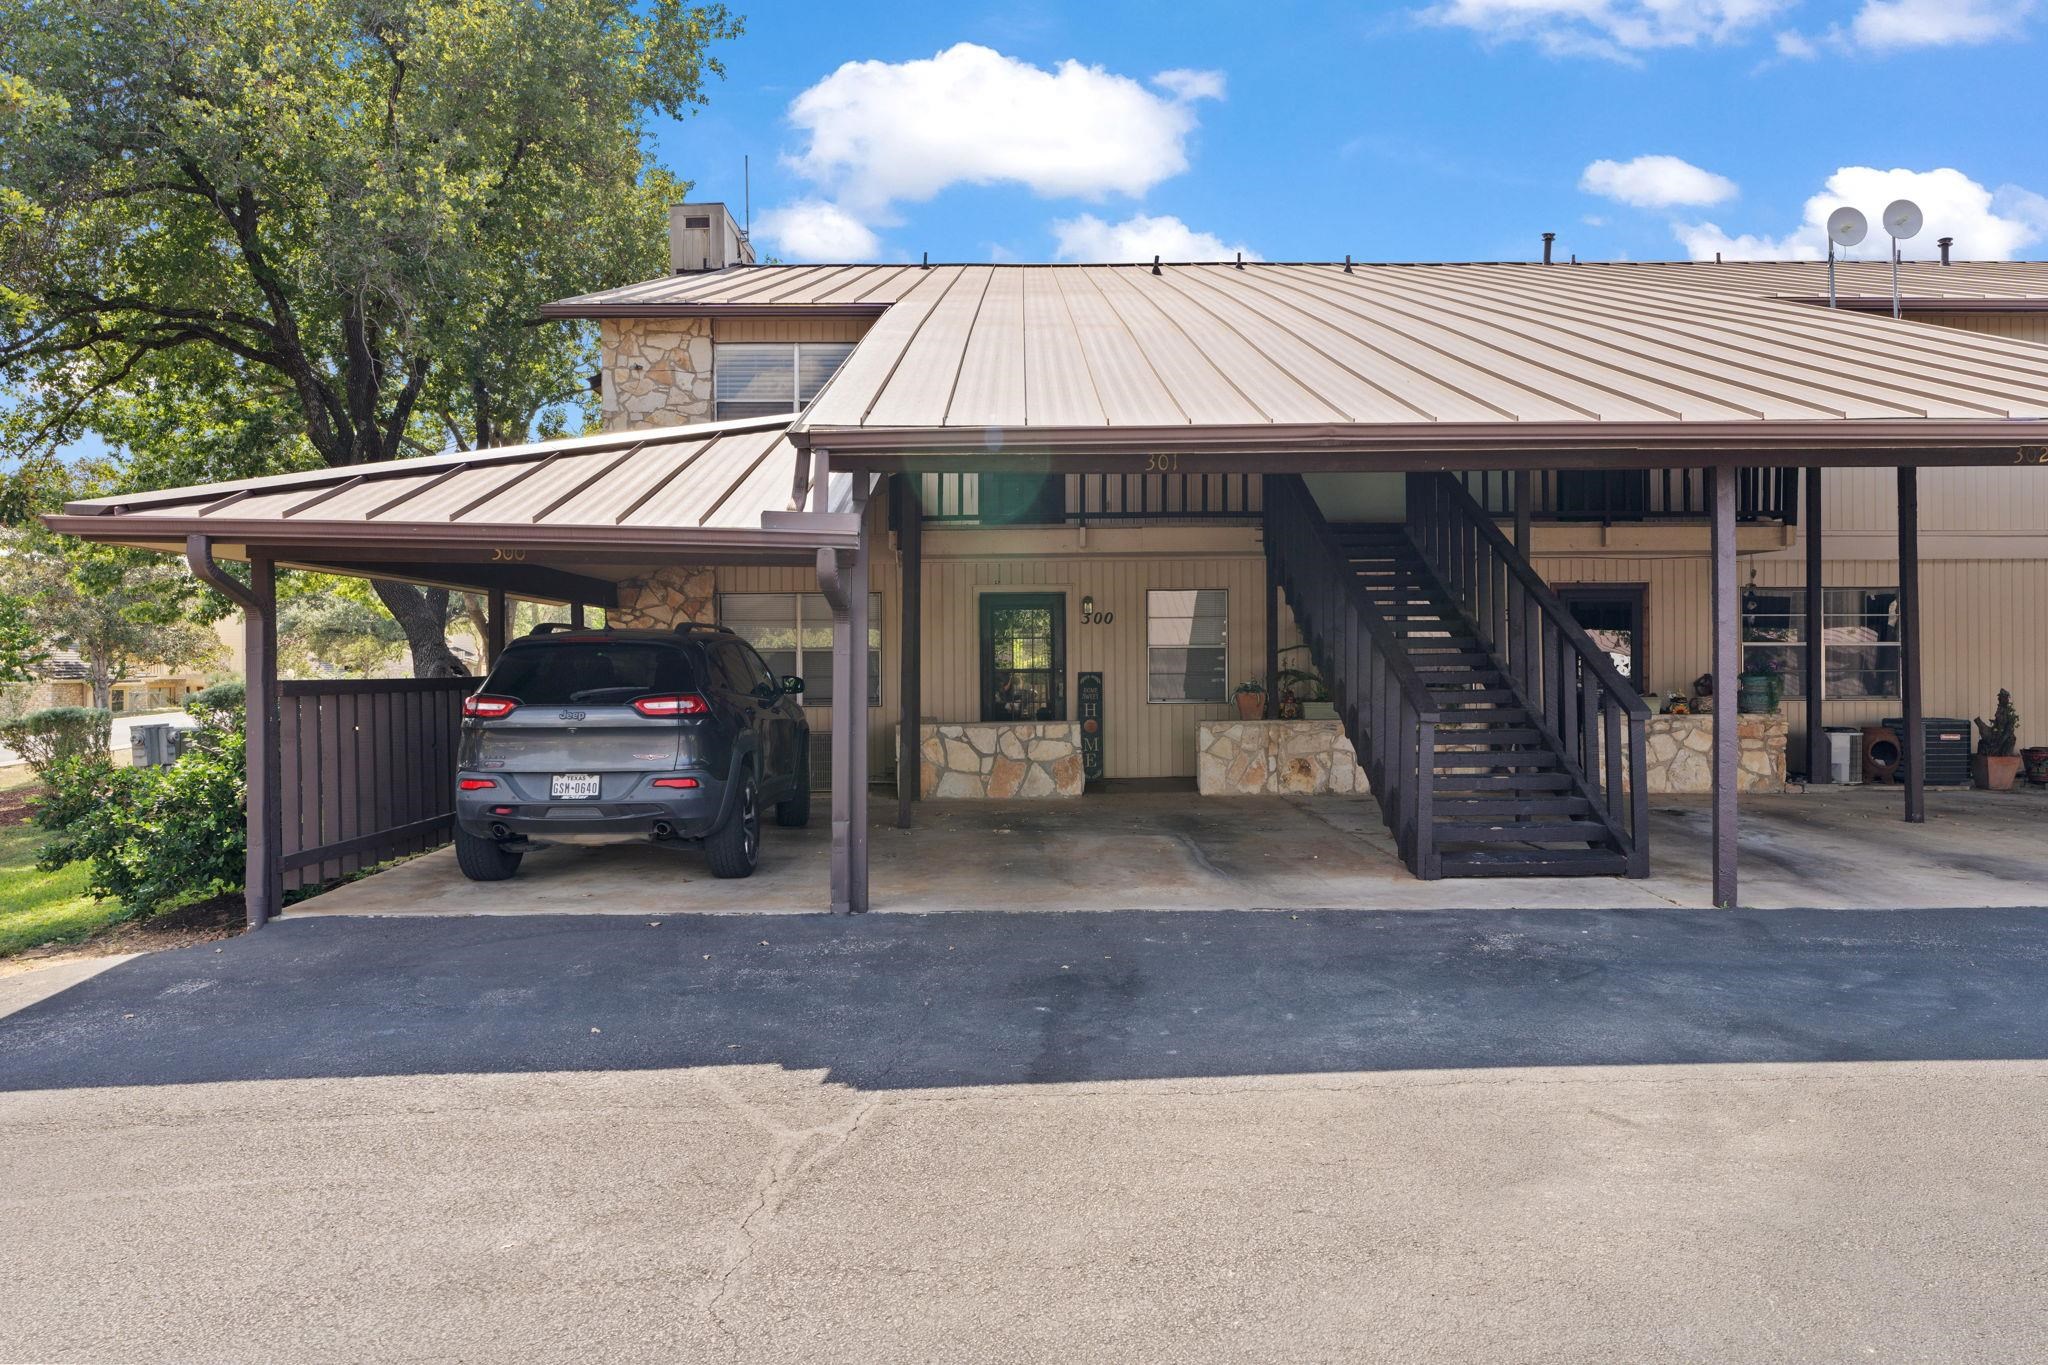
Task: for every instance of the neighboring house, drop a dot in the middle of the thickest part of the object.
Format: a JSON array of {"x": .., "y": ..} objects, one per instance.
[
  {"x": 62, "y": 680},
  {"x": 1112, "y": 494}
]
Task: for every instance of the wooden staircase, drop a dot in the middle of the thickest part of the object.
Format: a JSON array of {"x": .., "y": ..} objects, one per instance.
[
  {"x": 1499, "y": 740},
  {"x": 1505, "y": 802}
]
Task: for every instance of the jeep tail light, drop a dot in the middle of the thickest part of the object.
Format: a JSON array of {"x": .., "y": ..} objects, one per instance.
[
  {"x": 679, "y": 704},
  {"x": 476, "y": 784},
  {"x": 679, "y": 783},
  {"x": 483, "y": 706}
]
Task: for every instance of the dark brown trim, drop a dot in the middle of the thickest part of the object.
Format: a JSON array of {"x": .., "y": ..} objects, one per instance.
[
  {"x": 262, "y": 870},
  {"x": 418, "y": 537},
  {"x": 434, "y": 827},
  {"x": 1815, "y": 673},
  {"x": 910, "y": 672}
]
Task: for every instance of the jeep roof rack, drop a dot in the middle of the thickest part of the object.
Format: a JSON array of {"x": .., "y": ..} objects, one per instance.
[{"x": 689, "y": 627}]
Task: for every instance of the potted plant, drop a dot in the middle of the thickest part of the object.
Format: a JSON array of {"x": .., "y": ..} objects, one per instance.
[
  {"x": 1997, "y": 764},
  {"x": 1307, "y": 687},
  {"x": 1251, "y": 700},
  {"x": 1759, "y": 688}
]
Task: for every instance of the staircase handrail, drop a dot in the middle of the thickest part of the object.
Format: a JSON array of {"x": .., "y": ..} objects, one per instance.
[
  {"x": 1596, "y": 658},
  {"x": 1294, "y": 496}
]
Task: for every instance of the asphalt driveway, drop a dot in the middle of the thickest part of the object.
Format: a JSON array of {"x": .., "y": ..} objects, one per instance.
[{"x": 1655, "y": 1135}]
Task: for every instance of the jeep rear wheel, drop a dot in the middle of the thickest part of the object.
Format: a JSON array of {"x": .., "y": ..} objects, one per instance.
[
  {"x": 735, "y": 848},
  {"x": 484, "y": 860}
]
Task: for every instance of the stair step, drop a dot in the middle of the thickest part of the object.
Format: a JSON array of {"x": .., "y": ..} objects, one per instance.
[
  {"x": 1500, "y": 735},
  {"x": 1554, "y": 862},
  {"x": 1525, "y": 832},
  {"x": 1447, "y": 677},
  {"x": 1449, "y": 697},
  {"x": 1431, "y": 662},
  {"x": 1461, "y": 807},
  {"x": 1473, "y": 783},
  {"x": 1483, "y": 715},
  {"x": 1487, "y": 759}
]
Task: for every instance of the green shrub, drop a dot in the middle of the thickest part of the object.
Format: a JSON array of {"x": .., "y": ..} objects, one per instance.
[
  {"x": 222, "y": 696},
  {"x": 47, "y": 737},
  {"x": 155, "y": 837}
]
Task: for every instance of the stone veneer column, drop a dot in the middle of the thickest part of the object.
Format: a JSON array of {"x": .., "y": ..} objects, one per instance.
[
  {"x": 667, "y": 598},
  {"x": 657, "y": 372}
]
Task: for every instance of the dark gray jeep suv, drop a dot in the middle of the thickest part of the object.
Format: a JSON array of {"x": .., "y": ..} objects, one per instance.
[{"x": 608, "y": 736}]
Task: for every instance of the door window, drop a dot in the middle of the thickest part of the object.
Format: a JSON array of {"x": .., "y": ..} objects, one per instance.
[{"x": 1023, "y": 656}]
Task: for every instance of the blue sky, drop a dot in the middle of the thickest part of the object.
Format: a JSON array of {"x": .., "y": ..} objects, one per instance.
[{"x": 1456, "y": 130}]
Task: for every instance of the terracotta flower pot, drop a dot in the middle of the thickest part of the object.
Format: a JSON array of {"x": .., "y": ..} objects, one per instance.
[
  {"x": 1995, "y": 773},
  {"x": 1251, "y": 705}
]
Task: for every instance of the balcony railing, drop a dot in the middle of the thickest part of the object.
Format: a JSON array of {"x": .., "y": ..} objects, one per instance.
[
  {"x": 1076, "y": 499},
  {"x": 1611, "y": 496}
]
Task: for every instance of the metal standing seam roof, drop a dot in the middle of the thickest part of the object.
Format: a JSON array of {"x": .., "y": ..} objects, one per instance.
[
  {"x": 703, "y": 483},
  {"x": 1513, "y": 356}
]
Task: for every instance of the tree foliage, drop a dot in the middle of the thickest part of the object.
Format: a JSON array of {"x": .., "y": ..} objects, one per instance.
[
  {"x": 121, "y": 610},
  {"x": 328, "y": 224}
]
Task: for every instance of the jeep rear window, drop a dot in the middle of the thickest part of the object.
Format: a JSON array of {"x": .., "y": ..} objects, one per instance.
[{"x": 590, "y": 674}]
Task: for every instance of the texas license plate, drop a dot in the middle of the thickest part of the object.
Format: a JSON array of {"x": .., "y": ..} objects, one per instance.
[{"x": 573, "y": 786}]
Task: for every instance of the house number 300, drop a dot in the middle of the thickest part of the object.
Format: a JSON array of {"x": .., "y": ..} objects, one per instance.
[{"x": 1097, "y": 618}]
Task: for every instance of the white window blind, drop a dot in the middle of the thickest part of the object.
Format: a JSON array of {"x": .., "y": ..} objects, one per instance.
[
  {"x": 766, "y": 378},
  {"x": 1186, "y": 631}
]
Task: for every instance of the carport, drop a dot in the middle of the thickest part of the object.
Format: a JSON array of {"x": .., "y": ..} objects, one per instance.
[{"x": 343, "y": 775}]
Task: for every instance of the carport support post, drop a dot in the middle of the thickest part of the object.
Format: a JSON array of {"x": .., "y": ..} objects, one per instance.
[
  {"x": 843, "y": 578},
  {"x": 1814, "y": 681},
  {"x": 494, "y": 626},
  {"x": 1915, "y": 737},
  {"x": 909, "y": 673},
  {"x": 1272, "y": 597},
  {"x": 262, "y": 870},
  {"x": 1726, "y": 715}
]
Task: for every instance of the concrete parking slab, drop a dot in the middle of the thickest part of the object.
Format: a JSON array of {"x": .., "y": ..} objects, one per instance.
[
  {"x": 1483, "y": 1137},
  {"x": 1175, "y": 850}
]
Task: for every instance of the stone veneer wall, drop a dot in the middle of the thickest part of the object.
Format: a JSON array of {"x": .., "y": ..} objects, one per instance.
[
  {"x": 657, "y": 372},
  {"x": 667, "y": 598},
  {"x": 995, "y": 762},
  {"x": 1679, "y": 754},
  {"x": 1274, "y": 757}
]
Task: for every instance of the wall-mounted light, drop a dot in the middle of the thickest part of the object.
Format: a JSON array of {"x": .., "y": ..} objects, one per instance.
[{"x": 1088, "y": 606}]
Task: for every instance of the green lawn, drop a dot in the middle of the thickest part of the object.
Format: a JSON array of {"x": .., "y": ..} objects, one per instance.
[{"x": 43, "y": 907}]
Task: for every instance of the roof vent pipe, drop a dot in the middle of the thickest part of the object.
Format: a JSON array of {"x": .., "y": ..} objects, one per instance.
[
  {"x": 1240, "y": 260},
  {"x": 1945, "y": 243},
  {"x": 1548, "y": 238},
  {"x": 926, "y": 264},
  {"x": 1347, "y": 263},
  {"x": 1155, "y": 265}
]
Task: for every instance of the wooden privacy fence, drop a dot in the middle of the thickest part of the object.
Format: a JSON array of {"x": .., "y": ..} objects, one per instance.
[{"x": 368, "y": 772}]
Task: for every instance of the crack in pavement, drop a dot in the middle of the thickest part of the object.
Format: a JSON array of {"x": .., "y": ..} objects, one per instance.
[{"x": 792, "y": 1154}]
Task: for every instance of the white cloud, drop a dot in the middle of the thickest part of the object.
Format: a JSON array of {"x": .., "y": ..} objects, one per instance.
[
  {"x": 813, "y": 230},
  {"x": 1890, "y": 25},
  {"x": 1796, "y": 46},
  {"x": 1185, "y": 83},
  {"x": 1617, "y": 29},
  {"x": 1988, "y": 225},
  {"x": 1656, "y": 182},
  {"x": 885, "y": 132},
  {"x": 1140, "y": 238}
]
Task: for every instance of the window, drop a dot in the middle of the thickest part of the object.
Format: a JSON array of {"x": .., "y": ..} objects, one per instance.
[
  {"x": 1185, "y": 633},
  {"x": 1859, "y": 639},
  {"x": 607, "y": 674},
  {"x": 793, "y": 634},
  {"x": 1023, "y": 656},
  {"x": 1611, "y": 614},
  {"x": 763, "y": 379}
]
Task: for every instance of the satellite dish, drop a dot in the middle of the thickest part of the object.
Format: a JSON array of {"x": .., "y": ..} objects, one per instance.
[
  {"x": 1902, "y": 219},
  {"x": 1847, "y": 227}
]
